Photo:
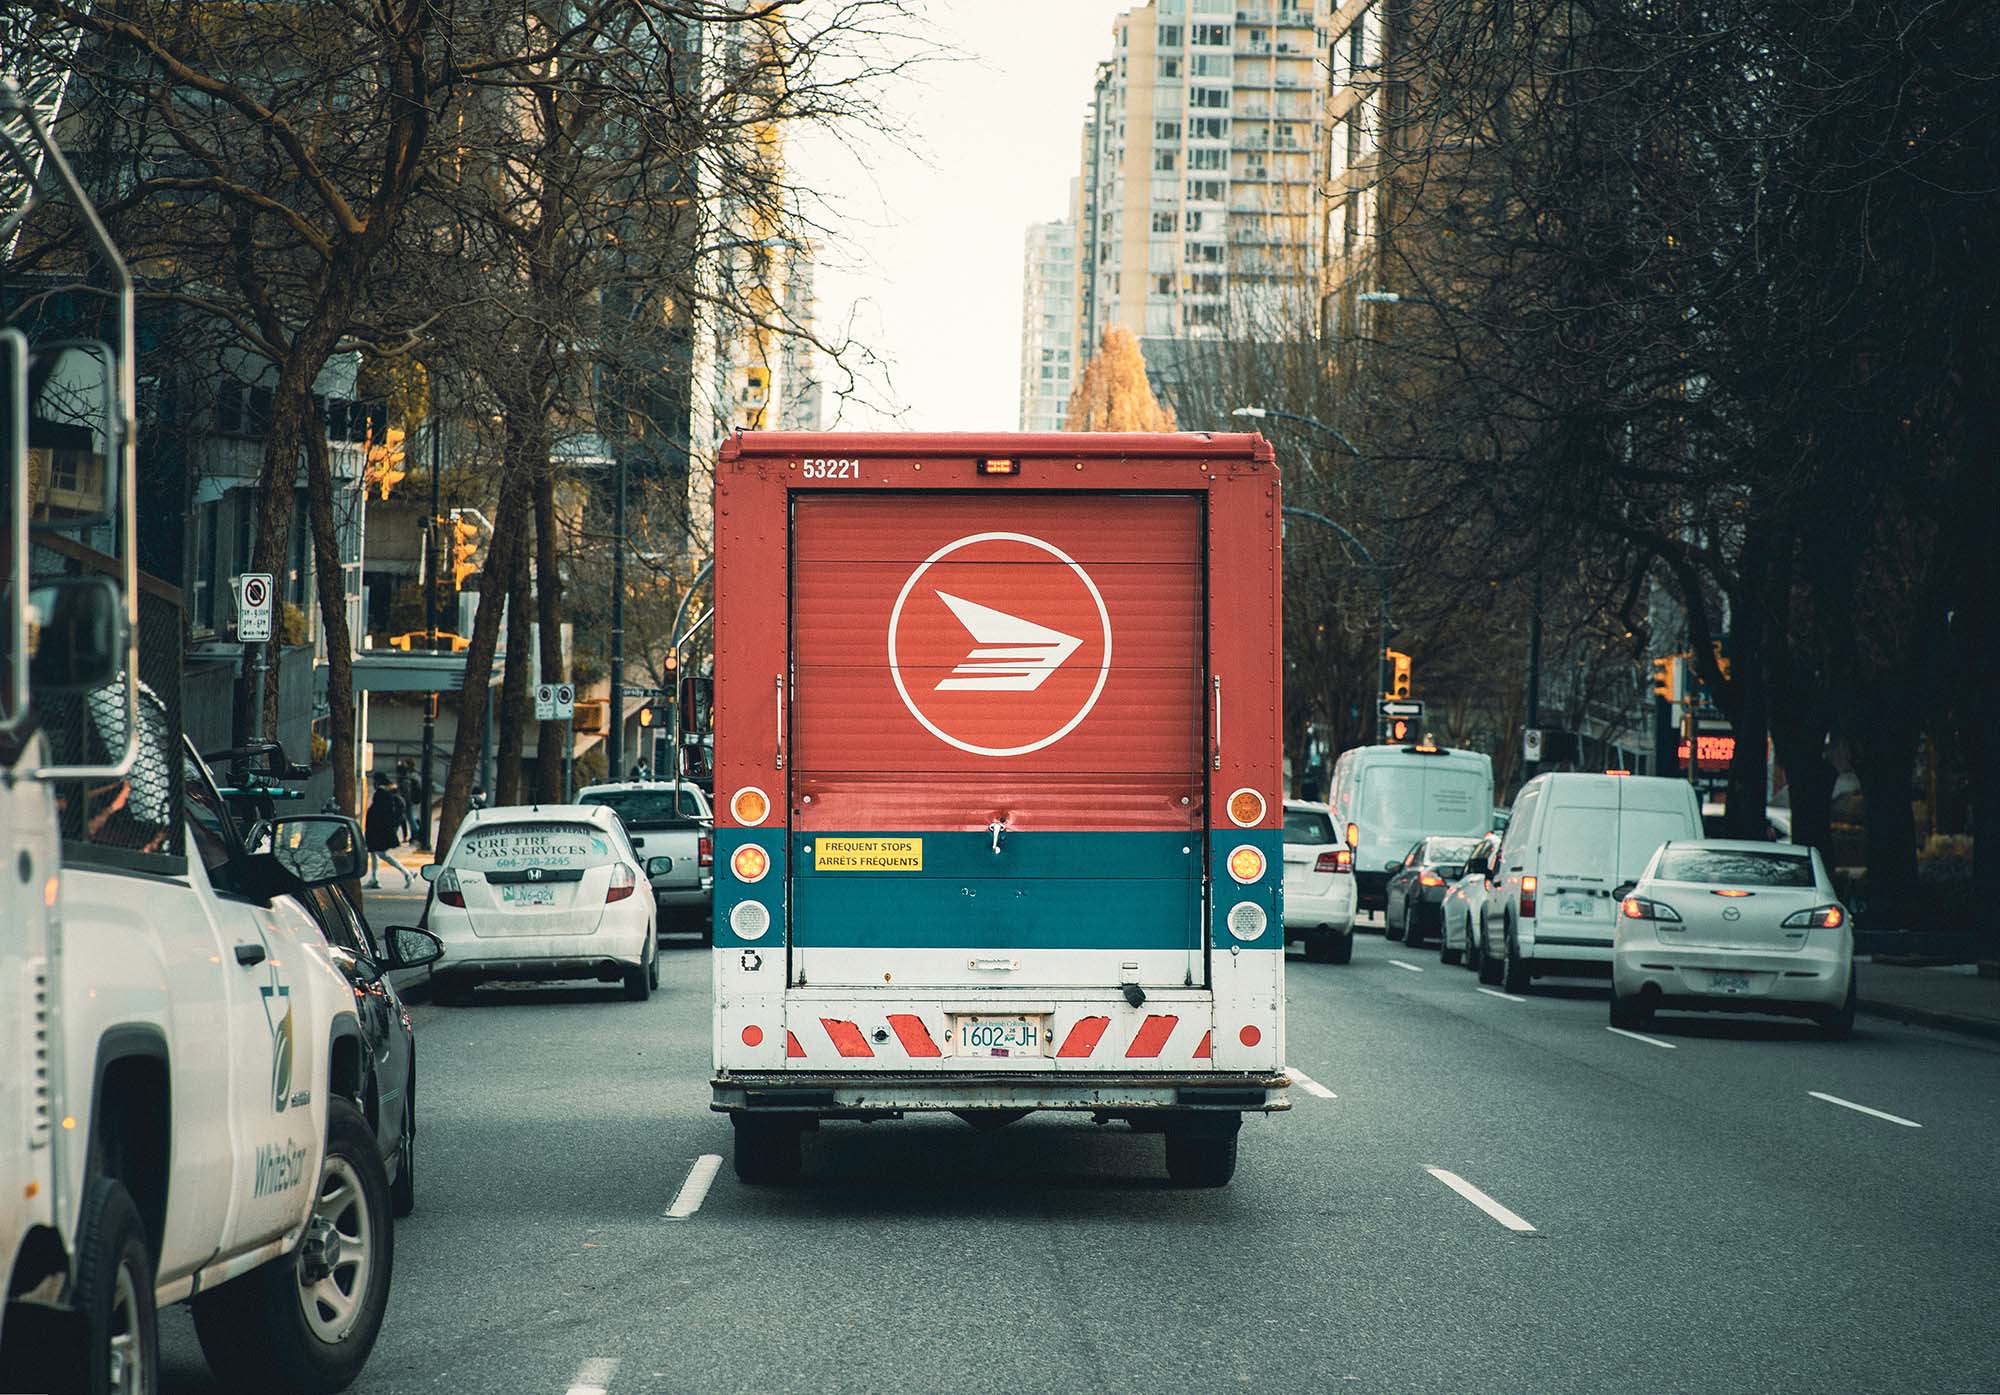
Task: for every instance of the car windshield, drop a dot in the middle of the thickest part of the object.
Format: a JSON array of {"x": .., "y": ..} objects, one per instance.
[
  {"x": 513, "y": 847},
  {"x": 1453, "y": 851},
  {"x": 650, "y": 808},
  {"x": 1734, "y": 867},
  {"x": 1308, "y": 826}
]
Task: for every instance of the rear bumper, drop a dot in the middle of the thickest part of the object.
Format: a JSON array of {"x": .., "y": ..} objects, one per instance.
[
  {"x": 832, "y": 1094},
  {"x": 1567, "y": 944},
  {"x": 602, "y": 967},
  {"x": 1774, "y": 981},
  {"x": 1334, "y": 911}
]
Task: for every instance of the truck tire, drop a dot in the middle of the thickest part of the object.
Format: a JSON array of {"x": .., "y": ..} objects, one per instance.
[
  {"x": 306, "y": 1321},
  {"x": 114, "y": 1296},
  {"x": 1200, "y": 1159},
  {"x": 768, "y": 1151}
]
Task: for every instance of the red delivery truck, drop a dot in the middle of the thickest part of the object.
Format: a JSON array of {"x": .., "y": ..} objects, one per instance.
[{"x": 997, "y": 764}]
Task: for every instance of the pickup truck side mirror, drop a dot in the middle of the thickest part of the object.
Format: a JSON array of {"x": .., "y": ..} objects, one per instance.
[
  {"x": 659, "y": 866},
  {"x": 319, "y": 849},
  {"x": 411, "y": 948},
  {"x": 76, "y": 635}
]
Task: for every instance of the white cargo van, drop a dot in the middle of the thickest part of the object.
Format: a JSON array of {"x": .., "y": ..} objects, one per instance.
[
  {"x": 1387, "y": 797},
  {"x": 1573, "y": 843}
]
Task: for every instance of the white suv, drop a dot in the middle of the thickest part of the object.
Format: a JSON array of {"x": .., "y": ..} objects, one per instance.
[{"x": 1319, "y": 883}]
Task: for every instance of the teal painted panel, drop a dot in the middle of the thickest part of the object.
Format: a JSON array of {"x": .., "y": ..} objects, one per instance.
[
  {"x": 770, "y": 890},
  {"x": 900, "y": 912},
  {"x": 1267, "y": 892},
  {"x": 1033, "y": 855}
]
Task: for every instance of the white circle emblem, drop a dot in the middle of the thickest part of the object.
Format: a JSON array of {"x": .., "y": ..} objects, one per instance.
[{"x": 1104, "y": 665}]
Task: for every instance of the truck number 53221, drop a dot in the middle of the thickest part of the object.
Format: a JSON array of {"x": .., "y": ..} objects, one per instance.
[{"x": 830, "y": 469}]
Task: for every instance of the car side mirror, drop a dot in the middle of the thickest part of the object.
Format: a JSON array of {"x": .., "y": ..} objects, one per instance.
[
  {"x": 319, "y": 849},
  {"x": 659, "y": 866},
  {"x": 429, "y": 871},
  {"x": 411, "y": 948},
  {"x": 76, "y": 634},
  {"x": 1622, "y": 890},
  {"x": 1392, "y": 867}
]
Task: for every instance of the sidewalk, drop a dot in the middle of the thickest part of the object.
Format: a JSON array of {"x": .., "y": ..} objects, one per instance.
[{"x": 1954, "y": 997}]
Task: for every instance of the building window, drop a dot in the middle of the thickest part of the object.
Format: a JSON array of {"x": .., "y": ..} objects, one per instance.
[
  {"x": 1164, "y": 285},
  {"x": 1170, "y": 36},
  {"x": 1163, "y": 221},
  {"x": 1208, "y": 128},
  {"x": 1208, "y": 96},
  {"x": 1170, "y": 67},
  {"x": 1212, "y": 157},
  {"x": 1166, "y": 130},
  {"x": 1210, "y": 65},
  {"x": 1164, "y": 160},
  {"x": 1211, "y": 35},
  {"x": 1205, "y": 190},
  {"x": 1194, "y": 222}
]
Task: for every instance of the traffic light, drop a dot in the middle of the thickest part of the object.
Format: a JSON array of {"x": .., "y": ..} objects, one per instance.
[
  {"x": 646, "y": 717},
  {"x": 464, "y": 548},
  {"x": 1664, "y": 673},
  {"x": 1399, "y": 729},
  {"x": 590, "y": 716},
  {"x": 1399, "y": 673},
  {"x": 385, "y": 467}
]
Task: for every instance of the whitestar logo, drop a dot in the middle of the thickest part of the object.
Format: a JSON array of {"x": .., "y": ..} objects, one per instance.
[{"x": 1011, "y": 655}]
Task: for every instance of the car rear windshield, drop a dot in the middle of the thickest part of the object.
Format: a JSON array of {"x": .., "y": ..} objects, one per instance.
[
  {"x": 1308, "y": 826},
  {"x": 512, "y": 847},
  {"x": 1450, "y": 850},
  {"x": 650, "y": 808},
  {"x": 1732, "y": 867}
]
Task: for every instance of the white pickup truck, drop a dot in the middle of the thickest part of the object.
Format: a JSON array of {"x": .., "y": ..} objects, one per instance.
[
  {"x": 183, "y": 1081},
  {"x": 670, "y": 824}
]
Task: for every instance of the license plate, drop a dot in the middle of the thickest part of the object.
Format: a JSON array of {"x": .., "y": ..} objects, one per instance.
[
  {"x": 1729, "y": 983},
  {"x": 528, "y": 895},
  {"x": 1000, "y": 1036},
  {"x": 1573, "y": 905}
]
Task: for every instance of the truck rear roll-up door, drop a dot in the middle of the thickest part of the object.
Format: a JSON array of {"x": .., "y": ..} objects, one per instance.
[{"x": 962, "y": 661}]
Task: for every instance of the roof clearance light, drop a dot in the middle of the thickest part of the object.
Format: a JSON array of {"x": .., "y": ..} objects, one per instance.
[
  {"x": 1617, "y": 772},
  {"x": 750, "y": 806},
  {"x": 1246, "y": 864},
  {"x": 1422, "y": 749},
  {"x": 1246, "y": 808},
  {"x": 749, "y": 863},
  {"x": 999, "y": 467}
]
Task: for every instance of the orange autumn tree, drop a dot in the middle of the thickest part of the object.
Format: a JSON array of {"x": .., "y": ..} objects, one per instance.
[{"x": 1113, "y": 394}]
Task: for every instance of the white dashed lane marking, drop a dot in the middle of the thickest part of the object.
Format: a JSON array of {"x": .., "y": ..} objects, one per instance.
[
  {"x": 1650, "y": 1041},
  {"x": 1479, "y": 1199},
  {"x": 1496, "y": 993},
  {"x": 1308, "y": 1084},
  {"x": 1864, "y": 1109},
  {"x": 688, "y": 1199},
  {"x": 1401, "y": 965},
  {"x": 595, "y": 1377}
]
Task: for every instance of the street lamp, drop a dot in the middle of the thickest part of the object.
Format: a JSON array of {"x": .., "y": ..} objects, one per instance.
[{"x": 1381, "y": 573}]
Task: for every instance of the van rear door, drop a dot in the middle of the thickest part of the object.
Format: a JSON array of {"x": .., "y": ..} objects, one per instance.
[
  {"x": 998, "y": 774},
  {"x": 1652, "y": 811}
]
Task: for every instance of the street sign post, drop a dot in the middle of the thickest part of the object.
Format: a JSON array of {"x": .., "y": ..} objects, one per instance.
[
  {"x": 253, "y": 607},
  {"x": 1399, "y": 719},
  {"x": 565, "y": 701},
  {"x": 1531, "y": 745}
]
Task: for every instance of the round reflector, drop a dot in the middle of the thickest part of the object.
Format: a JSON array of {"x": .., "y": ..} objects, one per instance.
[
  {"x": 1249, "y": 1036},
  {"x": 1246, "y": 808},
  {"x": 750, "y": 863},
  {"x": 1246, "y": 864},
  {"x": 750, "y": 920},
  {"x": 1246, "y": 920},
  {"x": 750, "y": 805},
  {"x": 753, "y": 1035}
]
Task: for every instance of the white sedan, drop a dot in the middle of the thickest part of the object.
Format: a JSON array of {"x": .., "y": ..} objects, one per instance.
[
  {"x": 1714, "y": 925},
  {"x": 549, "y": 892},
  {"x": 1319, "y": 884}
]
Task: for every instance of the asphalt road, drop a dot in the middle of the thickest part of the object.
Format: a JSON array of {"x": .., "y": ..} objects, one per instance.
[{"x": 1701, "y": 1221}]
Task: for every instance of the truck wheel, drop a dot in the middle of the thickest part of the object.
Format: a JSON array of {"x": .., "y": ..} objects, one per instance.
[
  {"x": 1200, "y": 1159},
  {"x": 306, "y": 1321},
  {"x": 768, "y": 1150},
  {"x": 403, "y": 1191},
  {"x": 1340, "y": 948},
  {"x": 1514, "y": 975},
  {"x": 114, "y": 1295}
]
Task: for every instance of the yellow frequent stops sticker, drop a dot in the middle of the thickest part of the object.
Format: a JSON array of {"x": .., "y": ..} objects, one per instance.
[{"x": 868, "y": 854}]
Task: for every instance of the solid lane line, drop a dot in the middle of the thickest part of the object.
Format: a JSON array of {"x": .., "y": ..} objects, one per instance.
[
  {"x": 1308, "y": 1084},
  {"x": 1479, "y": 1199},
  {"x": 688, "y": 1199},
  {"x": 1401, "y": 965},
  {"x": 1864, "y": 1109},
  {"x": 1496, "y": 993},
  {"x": 1650, "y": 1041},
  {"x": 595, "y": 1377}
]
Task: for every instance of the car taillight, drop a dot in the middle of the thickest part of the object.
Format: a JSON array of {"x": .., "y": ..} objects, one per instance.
[
  {"x": 1429, "y": 879},
  {"x": 1527, "y": 896},
  {"x": 705, "y": 850},
  {"x": 622, "y": 882},
  {"x": 448, "y": 890},
  {"x": 1354, "y": 835},
  {"x": 1638, "y": 908},
  {"x": 1818, "y": 918},
  {"x": 1335, "y": 861}
]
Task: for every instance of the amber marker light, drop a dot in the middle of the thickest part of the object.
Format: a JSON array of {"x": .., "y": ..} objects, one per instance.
[
  {"x": 1246, "y": 808},
  {"x": 750, "y": 863},
  {"x": 999, "y": 467},
  {"x": 1246, "y": 864},
  {"x": 750, "y": 805}
]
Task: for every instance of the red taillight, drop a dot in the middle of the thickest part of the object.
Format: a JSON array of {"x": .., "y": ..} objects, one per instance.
[
  {"x": 1633, "y": 908},
  {"x": 705, "y": 850},
  {"x": 1429, "y": 879},
  {"x": 1334, "y": 861},
  {"x": 1527, "y": 896},
  {"x": 622, "y": 884},
  {"x": 448, "y": 890}
]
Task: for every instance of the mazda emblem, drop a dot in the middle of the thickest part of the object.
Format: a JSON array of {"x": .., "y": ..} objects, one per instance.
[{"x": 1732, "y": 914}]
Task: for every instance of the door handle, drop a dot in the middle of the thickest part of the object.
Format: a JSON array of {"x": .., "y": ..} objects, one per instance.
[
  {"x": 998, "y": 828},
  {"x": 1216, "y": 759},
  {"x": 781, "y": 721},
  {"x": 250, "y": 954}
]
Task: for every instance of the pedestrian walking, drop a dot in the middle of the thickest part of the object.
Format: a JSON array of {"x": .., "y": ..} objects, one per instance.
[
  {"x": 406, "y": 786},
  {"x": 384, "y": 829}
]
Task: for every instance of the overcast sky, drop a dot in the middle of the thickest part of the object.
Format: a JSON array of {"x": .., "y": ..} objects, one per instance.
[{"x": 929, "y": 277}]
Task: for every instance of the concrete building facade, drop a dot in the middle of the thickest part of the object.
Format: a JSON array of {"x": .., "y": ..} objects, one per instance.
[{"x": 1048, "y": 324}]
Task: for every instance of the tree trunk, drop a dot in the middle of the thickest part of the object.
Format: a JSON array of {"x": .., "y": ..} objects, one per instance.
[
  {"x": 1884, "y": 756},
  {"x": 554, "y": 736},
  {"x": 508, "y": 517},
  {"x": 333, "y": 615},
  {"x": 1749, "y": 764},
  {"x": 514, "y": 685}
]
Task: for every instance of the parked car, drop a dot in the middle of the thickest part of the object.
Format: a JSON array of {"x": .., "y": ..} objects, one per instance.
[
  {"x": 1416, "y": 885},
  {"x": 1386, "y": 797},
  {"x": 1319, "y": 884},
  {"x": 1465, "y": 905},
  {"x": 540, "y": 892},
  {"x": 1730, "y": 926},
  {"x": 676, "y": 836},
  {"x": 1572, "y": 841}
]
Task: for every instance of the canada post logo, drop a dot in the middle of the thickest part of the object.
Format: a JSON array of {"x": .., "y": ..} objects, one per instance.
[{"x": 999, "y": 644}]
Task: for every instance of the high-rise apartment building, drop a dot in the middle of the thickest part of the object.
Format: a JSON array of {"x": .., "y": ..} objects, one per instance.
[
  {"x": 1352, "y": 208},
  {"x": 1048, "y": 324},
  {"x": 1195, "y": 216}
]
